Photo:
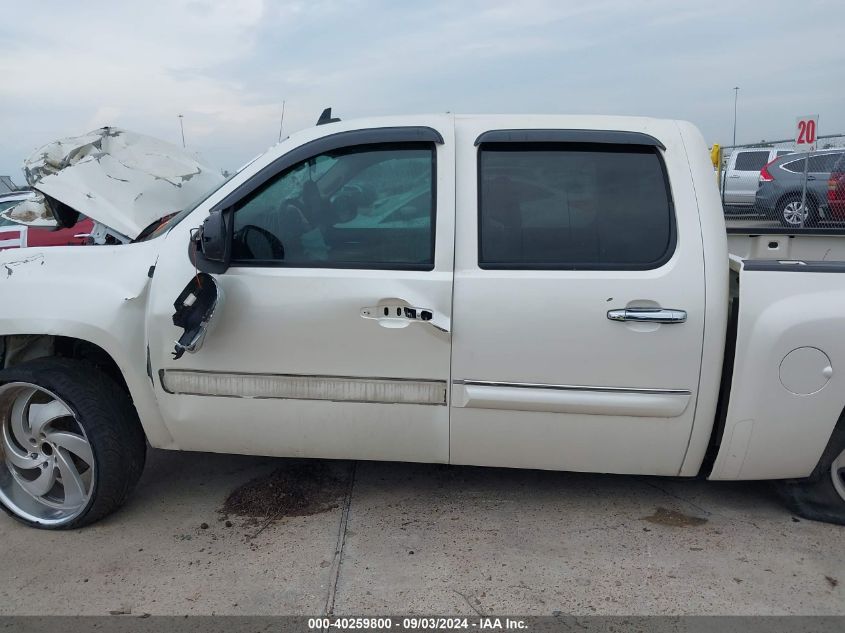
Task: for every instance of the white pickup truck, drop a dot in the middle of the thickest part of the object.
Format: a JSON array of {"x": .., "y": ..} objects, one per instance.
[{"x": 549, "y": 292}]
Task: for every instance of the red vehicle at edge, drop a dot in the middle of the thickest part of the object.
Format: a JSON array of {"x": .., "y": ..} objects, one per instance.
[
  {"x": 19, "y": 236},
  {"x": 836, "y": 190}
]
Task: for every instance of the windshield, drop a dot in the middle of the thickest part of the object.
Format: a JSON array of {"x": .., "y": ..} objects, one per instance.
[
  {"x": 162, "y": 226},
  {"x": 7, "y": 204},
  {"x": 3, "y": 206}
]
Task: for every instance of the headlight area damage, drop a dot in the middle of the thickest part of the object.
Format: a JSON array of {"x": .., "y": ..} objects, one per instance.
[{"x": 122, "y": 180}]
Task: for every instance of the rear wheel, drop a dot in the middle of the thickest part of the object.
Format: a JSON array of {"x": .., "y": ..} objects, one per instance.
[
  {"x": 821, "y": 497},
  {"x": 71, "y": 445},
  {"x": 791, "y": 213}
]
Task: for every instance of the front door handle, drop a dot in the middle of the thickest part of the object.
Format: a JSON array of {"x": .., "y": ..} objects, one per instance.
[
  {"x": 648, "y": 315},
  {"x": 394, "y": 313}
]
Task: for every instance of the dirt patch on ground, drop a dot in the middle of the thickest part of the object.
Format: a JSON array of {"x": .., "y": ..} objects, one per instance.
[
  {"x": 673, "y": 518},
  {"x": 298, "y": 489}
]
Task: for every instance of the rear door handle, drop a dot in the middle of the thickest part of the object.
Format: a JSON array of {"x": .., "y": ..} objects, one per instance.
[{"x": 648, "y": 315}]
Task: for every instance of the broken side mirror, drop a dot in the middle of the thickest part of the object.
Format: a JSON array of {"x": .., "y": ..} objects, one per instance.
[
  {"x": 211, "y": 244},
  {"x": 195, "y": 308}
]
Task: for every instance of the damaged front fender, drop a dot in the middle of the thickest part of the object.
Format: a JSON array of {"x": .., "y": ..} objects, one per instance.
[{"x": 97, "y": 295}]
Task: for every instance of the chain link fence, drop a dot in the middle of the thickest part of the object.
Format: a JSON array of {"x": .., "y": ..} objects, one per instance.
[{"x": 767, "y": 186}]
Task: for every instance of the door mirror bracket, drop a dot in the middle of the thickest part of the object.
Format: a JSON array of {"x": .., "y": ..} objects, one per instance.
[
  {"x": 211, "y": 243},
  {"x": 194, "y": 309}
]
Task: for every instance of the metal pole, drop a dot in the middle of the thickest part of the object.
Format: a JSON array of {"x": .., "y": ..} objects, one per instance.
[
  {"x": 736, "y": 96},
  {"x": 282, "y": 122},
  {"x": 803, "y": 209},
  {"x": 182, "y": 127}
]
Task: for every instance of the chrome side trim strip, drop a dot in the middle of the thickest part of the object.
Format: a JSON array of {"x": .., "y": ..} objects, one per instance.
[
  {"x": 536, "y": 385},
  {"x": 303, "y": 387},
  {"x": 608, "y": 401}
]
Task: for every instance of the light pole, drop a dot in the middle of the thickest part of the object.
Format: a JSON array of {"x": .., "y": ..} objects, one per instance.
[
  {"x": 736, "y": 96},
  {"x": 182, "y": 127},
  {"x": 282, "y": 122}
]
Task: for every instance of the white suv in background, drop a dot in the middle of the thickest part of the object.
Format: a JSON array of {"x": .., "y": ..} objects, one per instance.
[{"x": 742, "y": 174}]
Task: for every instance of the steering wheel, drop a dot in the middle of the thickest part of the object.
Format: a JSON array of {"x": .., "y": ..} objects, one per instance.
[{"x": 277, "y": 249}]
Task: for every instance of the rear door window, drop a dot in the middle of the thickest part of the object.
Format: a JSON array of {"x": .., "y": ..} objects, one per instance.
[
  {"x": 573, "y": 206},
  {"x": 822, "y": 164},
  {"x": 751, "y": 161}
]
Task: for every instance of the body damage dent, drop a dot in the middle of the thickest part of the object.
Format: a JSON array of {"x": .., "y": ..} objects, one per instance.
[{"x": 122, "y": 180}]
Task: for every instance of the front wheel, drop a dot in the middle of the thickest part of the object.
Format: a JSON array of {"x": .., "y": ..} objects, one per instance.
[
  {"x": 71, "y": 445},
  {"x": 821, "y": 497}
]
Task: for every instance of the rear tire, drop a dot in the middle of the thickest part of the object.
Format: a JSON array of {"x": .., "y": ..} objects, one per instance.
[
  {"x": 821, "y": 497},
  {"x": 789, "y": 212},
  {"x": 71, "y": 445}
]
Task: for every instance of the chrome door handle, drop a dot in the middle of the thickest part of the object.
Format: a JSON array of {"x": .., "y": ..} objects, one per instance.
[
  {"x": 394, "y": 313},
  {"x": 648, "y": 315}
]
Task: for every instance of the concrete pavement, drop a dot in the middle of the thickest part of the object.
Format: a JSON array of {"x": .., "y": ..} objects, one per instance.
[{"x": 430, "y": 539}]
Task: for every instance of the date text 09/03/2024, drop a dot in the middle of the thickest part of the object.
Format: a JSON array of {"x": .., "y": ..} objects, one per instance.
[{"x": 417, "y": 623}]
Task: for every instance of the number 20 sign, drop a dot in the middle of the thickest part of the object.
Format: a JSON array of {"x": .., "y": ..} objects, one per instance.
[{"x": 806, "y": 132}]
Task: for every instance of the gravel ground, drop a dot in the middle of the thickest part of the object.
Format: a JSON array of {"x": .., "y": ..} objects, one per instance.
[{"x": 229, "y": 534}]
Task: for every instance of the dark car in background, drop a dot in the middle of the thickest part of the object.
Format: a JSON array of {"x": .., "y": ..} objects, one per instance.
[{"x": 781, "y": 187}]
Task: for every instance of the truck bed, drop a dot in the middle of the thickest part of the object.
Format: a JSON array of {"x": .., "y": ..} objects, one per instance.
[
  {"x": 786, "y": 385},
  {"x": 807, "y": 245}
]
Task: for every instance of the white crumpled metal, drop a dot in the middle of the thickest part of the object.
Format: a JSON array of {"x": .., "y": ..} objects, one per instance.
[{"x": 121, "y": 179}]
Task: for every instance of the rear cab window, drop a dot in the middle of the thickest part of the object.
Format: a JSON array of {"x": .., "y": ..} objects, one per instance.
[{"x": 570, "y": 206}]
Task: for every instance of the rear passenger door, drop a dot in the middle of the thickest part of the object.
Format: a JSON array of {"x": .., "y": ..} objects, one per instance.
[
  {"x": 579, "y": 300},
  {"x": 743, "y": 179}
]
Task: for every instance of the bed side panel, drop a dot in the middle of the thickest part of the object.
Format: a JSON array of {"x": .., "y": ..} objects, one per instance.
[{"x": 788, "y": 385}]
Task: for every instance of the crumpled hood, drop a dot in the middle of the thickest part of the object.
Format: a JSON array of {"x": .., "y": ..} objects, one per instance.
[{"x": 121, "y": 179}]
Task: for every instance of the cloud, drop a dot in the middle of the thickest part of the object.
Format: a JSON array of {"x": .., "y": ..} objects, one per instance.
[{"x": 227, "y": 65}]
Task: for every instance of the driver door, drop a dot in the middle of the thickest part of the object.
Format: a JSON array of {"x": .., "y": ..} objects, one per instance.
[{"x": 333, "y": 336}]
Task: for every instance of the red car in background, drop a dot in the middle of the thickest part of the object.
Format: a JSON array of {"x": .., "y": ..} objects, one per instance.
[
  {"x": 836, "y": 190},
  {"x": 14, "y": 235}
]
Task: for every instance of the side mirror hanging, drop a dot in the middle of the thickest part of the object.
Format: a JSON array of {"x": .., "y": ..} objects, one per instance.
[{"x": 211, "y": 243}]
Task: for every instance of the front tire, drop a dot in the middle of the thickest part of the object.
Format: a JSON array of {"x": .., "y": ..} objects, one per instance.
[
  {"x": 71, "y": 444},
  {"x": 821, "y": 497}
]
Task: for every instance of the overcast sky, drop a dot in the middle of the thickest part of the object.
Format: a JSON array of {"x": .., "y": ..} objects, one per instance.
[{"x": 68, "y": 67}]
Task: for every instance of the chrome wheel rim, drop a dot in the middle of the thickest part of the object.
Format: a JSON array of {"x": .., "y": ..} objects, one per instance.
[
  {"x": 794, "y": 212},
  {"x": 837, "y": 473},
  {"x": 46, "y": 463}
]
